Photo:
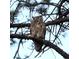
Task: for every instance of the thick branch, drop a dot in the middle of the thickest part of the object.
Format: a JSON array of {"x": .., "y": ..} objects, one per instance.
[
  {"x": 20, "y": 25},
  {"x": 47, "y": 43},
  {"x": 53, "y": 22},
  {"x": 54, "y": 4},
  {"x": 36, "y": 4},
  {"x": 57, "y": 21}
]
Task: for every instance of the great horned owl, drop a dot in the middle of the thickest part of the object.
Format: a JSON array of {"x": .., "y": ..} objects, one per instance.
[{"x": 38, "y": 30}]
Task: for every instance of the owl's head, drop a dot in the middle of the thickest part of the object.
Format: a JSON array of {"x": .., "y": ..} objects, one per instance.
[{"x": 38, "y": 19}]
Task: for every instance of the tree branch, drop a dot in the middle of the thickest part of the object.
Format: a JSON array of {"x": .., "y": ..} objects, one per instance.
[
  {"x": 47, "y": 43},
  {"x": 19, "y": 25},
  {"x": 53, "y": 22},
  {"x": 57, "y": 21},
  {"x": 54, "y": 4},
  {"x": 36, "y": 4}
]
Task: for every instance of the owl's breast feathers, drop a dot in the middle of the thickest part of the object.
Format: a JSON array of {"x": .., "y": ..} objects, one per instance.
[{"x": 38, "y": 30}]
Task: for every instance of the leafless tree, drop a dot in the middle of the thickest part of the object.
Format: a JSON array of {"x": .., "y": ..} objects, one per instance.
[{"x": 55, "y": 18}]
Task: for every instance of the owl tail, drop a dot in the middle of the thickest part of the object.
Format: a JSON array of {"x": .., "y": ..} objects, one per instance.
[{"x": 38, "y": 46}]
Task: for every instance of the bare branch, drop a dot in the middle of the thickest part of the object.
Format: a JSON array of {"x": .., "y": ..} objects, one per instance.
[
  {"x": 53, "y": 22},
  {"x": 57, "y": 21},
  {"x": 36, "y": 4},
  {"x": 20, "y": 25},
  {"x": 47, "y": 43}
]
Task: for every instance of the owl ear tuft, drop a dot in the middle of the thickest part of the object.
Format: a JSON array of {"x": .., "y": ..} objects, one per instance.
[
  {"x": 41, "y": 18},
  {"x": 33, "y": 17}
]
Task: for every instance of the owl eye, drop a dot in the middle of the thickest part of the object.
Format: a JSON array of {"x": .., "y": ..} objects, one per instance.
[{"x": 38, "y": 22}]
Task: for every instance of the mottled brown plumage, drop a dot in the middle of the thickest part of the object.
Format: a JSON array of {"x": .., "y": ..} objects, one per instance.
[{"x": 38, "y": 30}]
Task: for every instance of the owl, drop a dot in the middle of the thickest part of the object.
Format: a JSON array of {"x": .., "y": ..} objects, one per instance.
[{"x": 38, "y": 30}]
